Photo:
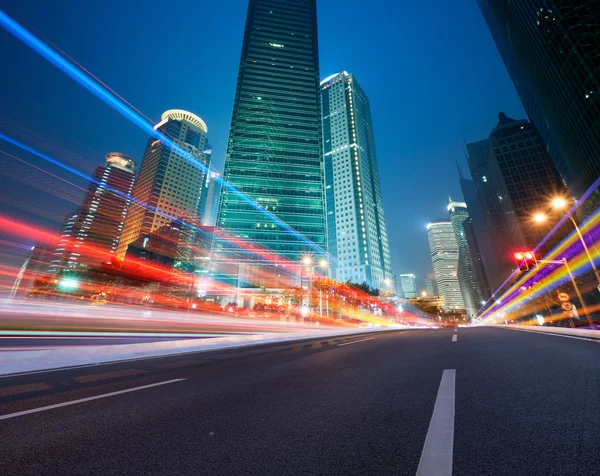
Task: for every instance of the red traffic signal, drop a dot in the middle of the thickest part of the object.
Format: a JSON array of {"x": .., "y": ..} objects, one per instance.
[{"x": 525, "y": 259}]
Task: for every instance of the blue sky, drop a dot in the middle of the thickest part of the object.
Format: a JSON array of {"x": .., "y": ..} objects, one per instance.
[{"x": 430, "y": 69}]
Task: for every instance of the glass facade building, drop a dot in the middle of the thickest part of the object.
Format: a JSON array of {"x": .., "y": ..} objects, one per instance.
[
  {"x": 408, "y": 286},
  {"x": 168, "y": 186},
  {"x": 443, "y": 250},
  {"x": 357, "y": 233},
  {"x": 467, "y": 276},
  {"x": 274, "y": 154},
  {"x": 90, "y": 235},
  {"x": 552, "y": 53}
]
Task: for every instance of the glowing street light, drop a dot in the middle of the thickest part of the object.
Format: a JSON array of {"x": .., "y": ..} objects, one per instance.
[
  {"x": 423, "y": 293},
  {"x": 560, "y": 203},
  {"x": 323, "y": 263},
  {"x": 307, "y": 260}
]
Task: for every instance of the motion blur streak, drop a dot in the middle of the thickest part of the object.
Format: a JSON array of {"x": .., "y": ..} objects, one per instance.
[
  {"x": 546, "y": 277},
  {"x": 239, "y": 243},
  {"x": 554, "y": 252},
  {"x": 39, "y": 47}
]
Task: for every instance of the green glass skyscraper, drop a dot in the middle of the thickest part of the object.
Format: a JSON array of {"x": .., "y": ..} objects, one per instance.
[{"x": 274, "y": 154}]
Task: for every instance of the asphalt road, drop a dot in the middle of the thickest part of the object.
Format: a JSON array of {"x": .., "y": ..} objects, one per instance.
[
  {"x": 524, "y": 404},
  {"x": 14, "y": 342}
]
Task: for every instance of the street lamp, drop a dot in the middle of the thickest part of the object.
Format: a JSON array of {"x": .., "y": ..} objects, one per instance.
[{"x": 560, "y": 203}]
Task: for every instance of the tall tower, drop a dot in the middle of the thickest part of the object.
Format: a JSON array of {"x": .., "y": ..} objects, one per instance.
[
  {"x": 168, "y": 186},
  {"x": 357, "y": 234},
  {"x": 552, "y": 53},
  {"x": 467, "y": 277},
  {"x": 444, "y": 253},
  {"x": 91, "y": 234},
  {"x": 408, "y": 286},
  {"x": 274, "y": 155}
]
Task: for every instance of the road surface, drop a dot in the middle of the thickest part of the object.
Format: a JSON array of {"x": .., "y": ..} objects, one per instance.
[{"x": 482, "y": 401}]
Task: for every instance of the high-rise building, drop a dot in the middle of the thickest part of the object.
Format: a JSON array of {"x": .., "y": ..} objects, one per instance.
[
  {"x": 552, "y": 52},
  {"x": 357, "y": 233},
  {"x": 91, "y": 234},
  {"x": 210, "y": 200},
  {"x": 478, "y": 237},
  {"x": 467, "y": 277},
  {"x": 408, "y": 285},
  {"x": 514, "y": 178},
  {"x": 274, "y": 155},
  {"x": 524, "y": 179},
  {"x": 444, "y": 253},
  {"x": 169, "y": 185},
  {"x": 430, "y": 285}
]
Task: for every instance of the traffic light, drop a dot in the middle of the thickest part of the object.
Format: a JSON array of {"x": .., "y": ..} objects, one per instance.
[{"x": 525, "y": 260}]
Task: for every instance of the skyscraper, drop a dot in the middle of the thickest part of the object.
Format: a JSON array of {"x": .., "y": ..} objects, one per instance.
[
  {"x": 524, "y": 178},
  {"x": 514, "y": 178},
  {"x": 444, "y": 253},
  {"x": 91, "y": 234},
  {"x": 467, "y": 277},
  {"x": 274, "y": 154},
  {"x": 168, "y": 185},
  {"x": 357, "y": 233},
  {"x": 408, "y": 285},
  {"x": 552, "y": 53}
]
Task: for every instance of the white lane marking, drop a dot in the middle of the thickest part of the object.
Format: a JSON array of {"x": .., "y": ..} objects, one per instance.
[
  {"x": 436, "y": 458},
  {"x": 553, "y": 334},
  {"x": 356, "y": 341},
  {"x": 88, "y": 399},
  {"x": 454, "y": 337}
]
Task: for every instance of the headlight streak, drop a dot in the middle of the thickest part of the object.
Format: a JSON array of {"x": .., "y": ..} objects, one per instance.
[{"x": 538, "y": 282}]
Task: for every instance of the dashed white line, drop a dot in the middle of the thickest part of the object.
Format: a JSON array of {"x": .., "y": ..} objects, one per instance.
[
  {"x": 436, "y": 458},
  {"x": 88, "y": 399},
  {"x": 356, "y": 341},
  {"x": 454, "y": 337}
]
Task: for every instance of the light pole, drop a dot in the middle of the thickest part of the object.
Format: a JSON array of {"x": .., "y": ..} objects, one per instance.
[
  {"x": 323, "y": 264},
  {"x": 559, "y": 203}
]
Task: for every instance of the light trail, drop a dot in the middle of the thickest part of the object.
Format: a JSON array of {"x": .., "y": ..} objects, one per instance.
[{"x": 547, "y": 276}]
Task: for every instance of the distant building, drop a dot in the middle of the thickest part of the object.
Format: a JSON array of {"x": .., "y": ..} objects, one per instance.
[
  {"x": 357, "y": 233},
  {"x": 182, "y": 245},
  {"x": 210, "y": 201},
  {"x": 551, "y": 51},
  {"x": 35, "y": 267},
  {"x": 408, "y": 286},
  {"x": 430, "y": 285},
  {"x": 168, "y": 185},
  {"x": 467, "y": 277},
  {"x": 478, "y": 237},
  {"x": 91, "y": 234},
  {"x": 444, "y": 257}
]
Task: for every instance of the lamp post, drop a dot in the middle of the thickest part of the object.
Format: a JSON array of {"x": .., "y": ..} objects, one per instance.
[{"x": 323, "y": 264}]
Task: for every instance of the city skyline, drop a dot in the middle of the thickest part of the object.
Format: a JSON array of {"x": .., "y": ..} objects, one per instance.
[{"x": 403, "y": 242}]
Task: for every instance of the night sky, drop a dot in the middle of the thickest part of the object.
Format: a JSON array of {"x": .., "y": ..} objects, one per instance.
[{"x": 430, "y": 69}]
